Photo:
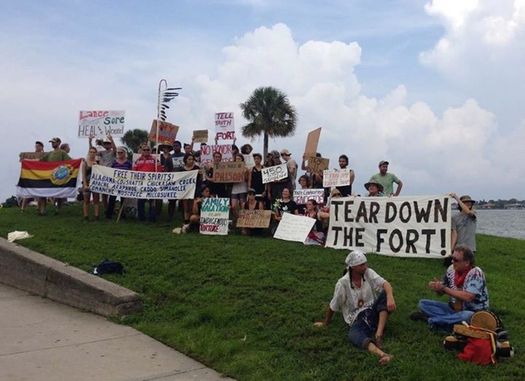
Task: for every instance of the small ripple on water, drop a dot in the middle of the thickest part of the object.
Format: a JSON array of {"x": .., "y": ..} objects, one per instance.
[{"x": 503, "y": 223}]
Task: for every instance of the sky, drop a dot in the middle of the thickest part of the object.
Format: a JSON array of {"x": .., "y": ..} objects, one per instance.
[{"x": 436, "y": 87}]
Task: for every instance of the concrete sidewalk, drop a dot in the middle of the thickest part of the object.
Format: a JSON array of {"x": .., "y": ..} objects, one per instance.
[{"x": 44, "y": 340}]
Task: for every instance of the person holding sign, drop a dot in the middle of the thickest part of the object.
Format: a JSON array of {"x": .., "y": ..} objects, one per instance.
[
  {"x": 365, "y": 300},
  {"x": 239, "y": 190},
  {"x": 123, "y": 164},
  {"x": 255, "y": 181},
  {"x": 187, "y": 205},
  {"x": 464, "y": 284},
  {"x": 346, "y": 190},
  {"x": 387, "y": 180},
  {"x": 87, "y": 166},
  {"x": 146, "y": 163},
  {"x": 196, "y": 212},
  {"x": 252, "y": 204},
  {"x": 317, "y": 234}
]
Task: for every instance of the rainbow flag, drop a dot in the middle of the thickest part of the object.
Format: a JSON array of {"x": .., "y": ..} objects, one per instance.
[{"x": 48, "y": 178}]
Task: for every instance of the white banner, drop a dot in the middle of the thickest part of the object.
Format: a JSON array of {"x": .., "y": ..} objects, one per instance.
[
  {"x": 214, "y": 216},
  {"x": 294, "y": 228},
  {"x": 301, "y": 196},
  {"x": 336, "y": 178},
  {"x": 207, "y": 152},
  {"x": 101, "y": 123},
  {"x": 135, "y": 184},
  {"x": 409, "y": 226},
  {"x": 224, "y": 126},
  {"x": 275, "y": 173}
]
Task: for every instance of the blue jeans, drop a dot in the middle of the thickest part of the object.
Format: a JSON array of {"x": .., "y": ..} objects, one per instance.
[
  {"x": 363, "y": 329},
  {"x": 441, "y": 315}
]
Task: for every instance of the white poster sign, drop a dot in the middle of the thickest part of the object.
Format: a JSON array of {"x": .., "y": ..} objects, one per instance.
[
  {"x": 249, "y": 161},
  {"x": 396, "y": 226},
  {"x": 224, "y": 126},
  {"x": 214, "y": 216},
  {"x": 300, "y": 196},
  {"x": 294, "y": 228},
  {"x": 135, "y": 184},
  {"x": 207, "y": 152},
  {"x": 274, "y": 173},
  {"x": 101, "y": 123},
  {"x": 336, "y": 177}
]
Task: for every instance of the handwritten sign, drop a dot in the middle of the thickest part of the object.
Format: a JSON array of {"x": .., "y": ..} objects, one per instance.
[
  {"x": 274, "y": 173},
  {"x": 167, "y": 132},
  {"x": 254, "y": 218},
  {"x": 317, "y": 164},
  {"x": 312, "y": 141},
  {"x": 300, "y": 196},
  {"x": 136, "y": 184},
  {"x": 214, "y": 216},
  {"x": 229, "y": 172},
  {"x": 101, "y": 123},
  {"x": 249, "y": 161},
  {"x": 200, "y": 136},
  {"x": 294, "y": 228},
  {"x": 207, "y": 152},
  {"x": 336, "y": 178},
  {"x": 396, "y": 226},
  {"x": 224, "y": 126}
]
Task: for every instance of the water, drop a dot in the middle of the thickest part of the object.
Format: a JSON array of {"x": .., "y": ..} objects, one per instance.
[{"x": 503, "y": 223}]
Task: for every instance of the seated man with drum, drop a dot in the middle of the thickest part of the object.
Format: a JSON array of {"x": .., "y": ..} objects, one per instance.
[{"x": 466, "y": 287}]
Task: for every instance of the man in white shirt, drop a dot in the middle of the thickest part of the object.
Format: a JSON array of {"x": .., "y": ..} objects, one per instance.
[{"x": 365, "y": 300}]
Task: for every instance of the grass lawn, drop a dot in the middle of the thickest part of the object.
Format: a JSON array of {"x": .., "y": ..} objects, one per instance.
[{"x": 245, "y": 306}]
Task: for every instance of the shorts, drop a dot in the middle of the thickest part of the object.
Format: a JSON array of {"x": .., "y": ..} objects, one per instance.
[{"x": 239, "y": 196}]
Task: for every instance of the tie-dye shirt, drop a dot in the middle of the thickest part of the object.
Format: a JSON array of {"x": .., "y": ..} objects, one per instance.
[{"x": 475, "y": 283}]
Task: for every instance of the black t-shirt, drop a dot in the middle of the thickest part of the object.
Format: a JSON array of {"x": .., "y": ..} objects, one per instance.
[{"x": 287, "y": 207}]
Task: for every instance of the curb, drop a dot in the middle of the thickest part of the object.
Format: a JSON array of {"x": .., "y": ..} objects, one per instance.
[{"x": 35, "y": 273}]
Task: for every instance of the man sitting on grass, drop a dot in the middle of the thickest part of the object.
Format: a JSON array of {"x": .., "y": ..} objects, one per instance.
[
  {"x": 466, "y": 287},
  {"x": 365, "y": 299}
]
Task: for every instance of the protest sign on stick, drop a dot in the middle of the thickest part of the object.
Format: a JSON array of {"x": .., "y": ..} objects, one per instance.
[
  {"x": 229, "y": 172},
  {"x": 207, "y": 152},
  {"x": 101, "y": 123},
  {"x": 254, "y": 218},
  {"x": 274, "y": 173},
  {"x": 294, "y": 228},
  {"x": 249, "y": 161},
  {"x": 214, "y": 216},
  {"x": 200, "y": 136},
  {"x": 415, "y": 226},
  {"x": 301, "y": 196},
  {"x": 167, "y": 132},
  {"x": 317, "y": 164},
  {"x": 135, "y": 184},
  {"x": 224, "y": 126},
  {"x": 336, "y": 178},
  {"x": 312, "y": 141}
]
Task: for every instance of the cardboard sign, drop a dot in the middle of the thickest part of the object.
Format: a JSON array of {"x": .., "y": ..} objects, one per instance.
[
  {"x": 214, "y": 216},
  {"x": 249, "y": 161},
  {"x": 101, "y": 123},
  {"x": 254, "y": 218},
  {"x": 312, "y": 141},
  {"x": 300, "y": 196},
  {"x": 207, "y": 152},
  {"x": 200, "y": 136},
  {"x": 167, "y": 132},
  {"x": 274, "y": 173},
  {"x": 317, "y": 164},
  {"x": 336, "y": 178},
  {"x": 396, "y": 226},
  {"x": 294, "y": 228},
  {"x": 31, "y": 155},
  {"x": 224, "y": 126},
  {"x": 229, "y": 172},
  {"x": 136, "y": 184}
]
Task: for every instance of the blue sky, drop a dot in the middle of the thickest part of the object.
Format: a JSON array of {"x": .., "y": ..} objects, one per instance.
[{"x": 443, "y": 76}]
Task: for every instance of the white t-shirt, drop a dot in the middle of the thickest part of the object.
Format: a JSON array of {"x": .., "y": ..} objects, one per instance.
[{"x": 346, "y": 299}]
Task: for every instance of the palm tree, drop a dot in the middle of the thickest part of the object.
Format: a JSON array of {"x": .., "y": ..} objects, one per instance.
[
  {"x": 134, "y": 138},
  {"x": 270, "y": 113}
]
